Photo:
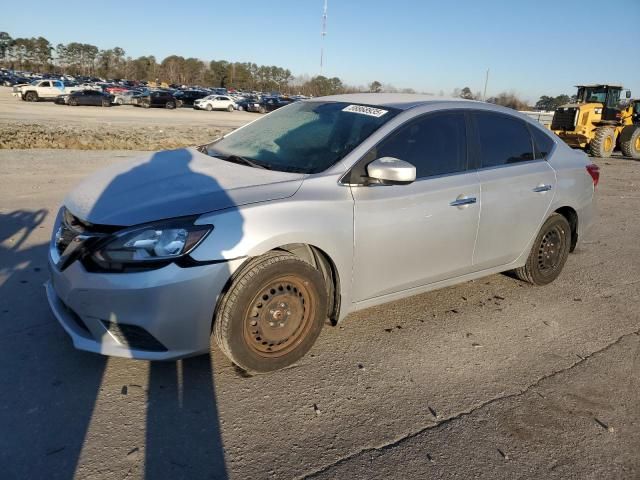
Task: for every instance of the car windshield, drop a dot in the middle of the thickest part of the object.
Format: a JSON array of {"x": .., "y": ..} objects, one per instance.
[{"x": 304, "y": 137}]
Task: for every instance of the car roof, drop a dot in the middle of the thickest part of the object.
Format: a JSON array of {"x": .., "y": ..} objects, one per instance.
[{"x": 401, "y": 101}]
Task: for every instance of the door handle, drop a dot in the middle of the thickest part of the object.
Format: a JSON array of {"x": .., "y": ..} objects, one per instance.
[
  {"x": 542, "y": 188},
  {"x": 461, "y": 202}
]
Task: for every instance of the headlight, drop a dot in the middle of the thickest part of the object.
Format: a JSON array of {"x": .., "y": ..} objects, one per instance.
[
  {"x": 597, "y": 111},
  {"x": 154, "y": 243}
]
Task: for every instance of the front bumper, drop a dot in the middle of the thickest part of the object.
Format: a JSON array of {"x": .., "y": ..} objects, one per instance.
[{"x": 112, "y": 313}]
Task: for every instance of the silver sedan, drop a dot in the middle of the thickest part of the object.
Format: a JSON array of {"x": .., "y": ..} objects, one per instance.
[{"x": 319, "y": 209}]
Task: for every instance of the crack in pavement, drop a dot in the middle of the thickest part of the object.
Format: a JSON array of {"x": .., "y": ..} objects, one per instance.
[{"x": 466, "y": 413}]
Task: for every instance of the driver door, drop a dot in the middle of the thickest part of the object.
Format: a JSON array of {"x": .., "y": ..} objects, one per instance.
[{"x": 407, "y": 236}]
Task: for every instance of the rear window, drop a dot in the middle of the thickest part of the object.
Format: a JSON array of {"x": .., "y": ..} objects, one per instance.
[
  {"x": 504, "y": 140},
  {"x": 542, "y": 143}
]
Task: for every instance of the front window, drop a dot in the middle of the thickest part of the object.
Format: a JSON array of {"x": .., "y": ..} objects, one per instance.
[{"x": 305, "y": 137}]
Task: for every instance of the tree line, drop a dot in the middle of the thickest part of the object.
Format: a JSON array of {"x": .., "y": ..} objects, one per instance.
[{"x": 38, "y": 54}]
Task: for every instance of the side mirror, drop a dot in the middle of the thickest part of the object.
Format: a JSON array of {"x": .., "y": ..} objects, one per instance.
[
  {"x": 628, "y": 93},
  {"x": 391, "y": 171}
]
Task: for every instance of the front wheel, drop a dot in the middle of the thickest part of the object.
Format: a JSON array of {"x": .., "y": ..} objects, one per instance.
[
  {"x": 31, "y": 97},
  {"x": 170, "y": 105},
  {"x": 603, "y": 143},
  {"x": 549, "y": 252},
  {"x": 630, "y": 141},
  {"x": 106, "y": 103},
  {"x": 73, "y": 102},
  {"x": 272, "y": 314},
  {"x": 209, "y": 107}
]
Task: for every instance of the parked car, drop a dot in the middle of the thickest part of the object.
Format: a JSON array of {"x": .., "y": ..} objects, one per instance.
[
  {"x": 42, "y": 90},
  {"x": 250, "y": 104},
  {"x": 269, "y": 104},
  {"x": 125, "y": 98},
  {"x": 87, "y": 97},
  {"x": 9, "y": 80},
  {"x": 186, "y": 98},
  {"x": 320, "y": 209},
  {"x": 215, "y": 102},
  {"x": 156, "y": 98}
]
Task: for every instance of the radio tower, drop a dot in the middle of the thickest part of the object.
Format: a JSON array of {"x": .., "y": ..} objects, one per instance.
[{"x": 323, "y": 34}]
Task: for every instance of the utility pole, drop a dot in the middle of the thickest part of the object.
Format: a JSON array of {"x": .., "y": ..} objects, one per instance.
[
  {"x": 486, "y": 81},
  {"x": 323, "y": 34}
]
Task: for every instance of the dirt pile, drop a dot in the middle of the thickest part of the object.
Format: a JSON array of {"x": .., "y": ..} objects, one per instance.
[{"x": 99, "y": 137}]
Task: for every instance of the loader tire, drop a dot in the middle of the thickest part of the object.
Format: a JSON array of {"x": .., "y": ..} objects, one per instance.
[
  {"x": 603, "y": 142},
  {"x": 630, "y": 141}
]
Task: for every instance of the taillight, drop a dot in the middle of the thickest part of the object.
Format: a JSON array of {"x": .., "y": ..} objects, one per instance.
[{"x": 594, "y": 171}]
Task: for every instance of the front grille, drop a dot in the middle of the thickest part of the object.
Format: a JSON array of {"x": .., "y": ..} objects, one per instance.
[
  {"x": 72, "y": 227},
  {"x": 564, "y": 119},
  {"x": 134, "y": 337}
]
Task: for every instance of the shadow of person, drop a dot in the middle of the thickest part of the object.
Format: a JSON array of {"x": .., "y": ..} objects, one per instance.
[
  {"x": 48, "y": 389},
  {"x": 183, "y": 438},
  {"x": 183, "y": 434}
]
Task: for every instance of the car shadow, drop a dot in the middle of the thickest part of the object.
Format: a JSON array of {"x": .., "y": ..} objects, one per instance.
[{"x": 50, "y": 390}]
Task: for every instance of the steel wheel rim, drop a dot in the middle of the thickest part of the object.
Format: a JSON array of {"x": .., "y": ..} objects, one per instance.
[
  {"x": 279, "y": 316},
  {"x": 550, "y": 250},
  {"x": 638, "y": 143},
  {"x": 608, "y": 143}
]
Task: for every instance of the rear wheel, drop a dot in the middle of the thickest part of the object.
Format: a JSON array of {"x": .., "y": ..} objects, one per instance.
[
  {"x": 230, "y": 108},
  {"x": 603, "y": 142},
  {"x": 120, "y": 101},
  {"x": 272, "y": 314},
  {"x": 73, "y": 102},
  {"x": 262, "y": 109},
  {"x": 106, "y": 103},
  {"x": 630, "y": 141},
  {"x": 549, "y": 252}
]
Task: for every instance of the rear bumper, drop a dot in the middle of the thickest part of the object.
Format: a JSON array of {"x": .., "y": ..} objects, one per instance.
[{"x": 163, "y": 314}]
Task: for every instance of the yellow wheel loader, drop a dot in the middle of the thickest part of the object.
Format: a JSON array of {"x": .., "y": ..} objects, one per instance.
[{"x": 598, "y": 122}]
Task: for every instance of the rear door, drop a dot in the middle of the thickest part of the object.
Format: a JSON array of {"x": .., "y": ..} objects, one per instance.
[
  {"x": 517, "y": 188},
  {"x": 407, "y": 236}
]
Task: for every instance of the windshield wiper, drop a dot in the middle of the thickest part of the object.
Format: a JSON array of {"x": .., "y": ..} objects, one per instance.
[{"x": 244, "y": 161}]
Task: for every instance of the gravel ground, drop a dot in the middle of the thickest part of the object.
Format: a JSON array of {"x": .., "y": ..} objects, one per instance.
[
  {"x": 492, "y": 378},
  {"x": 47, "y": 125}
]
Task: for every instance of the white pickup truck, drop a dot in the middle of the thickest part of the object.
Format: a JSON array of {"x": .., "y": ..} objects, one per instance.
[{"x": 42, "y": 90}]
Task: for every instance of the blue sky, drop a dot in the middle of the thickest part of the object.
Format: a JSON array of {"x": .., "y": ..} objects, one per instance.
[{"x": 532, "y": 47}]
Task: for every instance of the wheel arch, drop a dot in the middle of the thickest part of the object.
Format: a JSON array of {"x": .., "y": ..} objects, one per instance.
[
  {"x": 572, "y": 217},
  {"x": 314, "y": 256}
]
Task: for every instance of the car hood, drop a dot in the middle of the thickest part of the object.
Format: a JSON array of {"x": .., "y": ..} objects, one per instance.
[{"x": 174, "y": 183}]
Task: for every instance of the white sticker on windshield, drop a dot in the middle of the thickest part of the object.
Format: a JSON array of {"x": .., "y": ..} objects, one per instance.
[{"x": 371, "y": 111}]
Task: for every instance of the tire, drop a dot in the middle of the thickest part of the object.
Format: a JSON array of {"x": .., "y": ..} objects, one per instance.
[
  {"x": 272, "y": 314},
  {"x": 240, "y": 108},
  {"x": 106, "y": 103},
  {"x": 73, "y": 102},
  {"x": 120, "y": 101},
  {"x": 603, "y": 142},
  {"x": 31, "y": 96},
  {"x": 630, "y": 141},
  {"x": 549, "y": 252},
  {"x": 209, "y": 107},
  {"x": 170, "y": 105},
  {"x": 230, "y": 108},
  {"x": 146, "y": 105},
  {"x": 262, "y": 110}
]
